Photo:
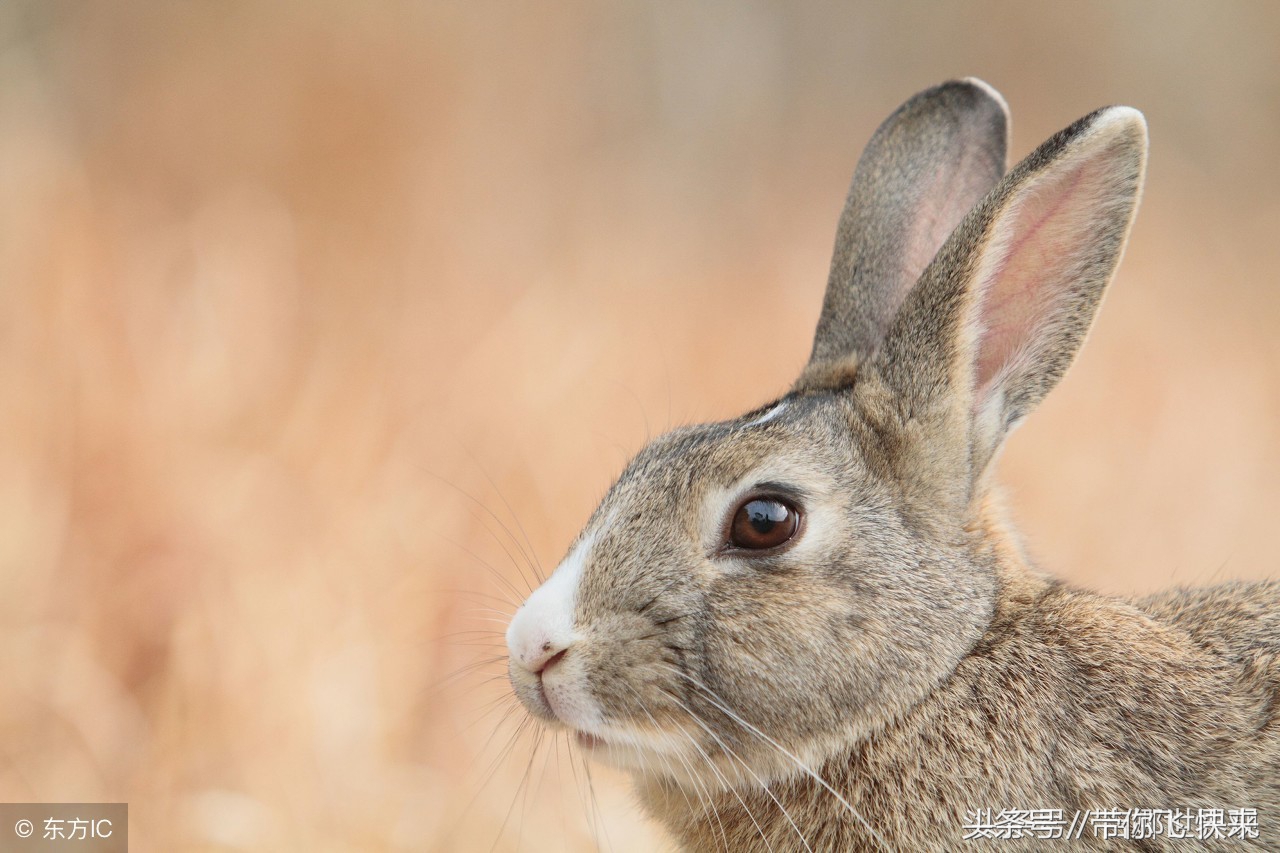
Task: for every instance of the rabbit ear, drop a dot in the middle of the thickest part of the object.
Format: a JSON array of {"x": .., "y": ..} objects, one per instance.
[
  {"x": 923, "y": 170},
  {"x": 1000, "y": 313}
]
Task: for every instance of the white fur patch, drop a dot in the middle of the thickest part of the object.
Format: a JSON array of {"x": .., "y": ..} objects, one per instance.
[
  {"x": 545, "y": 621},
  {"x": 767, "y": 416}
]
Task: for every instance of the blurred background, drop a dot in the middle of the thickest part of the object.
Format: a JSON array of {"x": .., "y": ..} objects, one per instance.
[{"x": 317, "y": 317}]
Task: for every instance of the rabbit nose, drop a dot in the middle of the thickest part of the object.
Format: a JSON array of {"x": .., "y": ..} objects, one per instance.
[
  {"x": 536, "y": 642},
  {"x": 548, "y": 656},
  {"x": 543, "y": 628}
]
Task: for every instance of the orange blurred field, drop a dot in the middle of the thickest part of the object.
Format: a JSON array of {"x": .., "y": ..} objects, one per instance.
[{"x": 294, "y": 295}]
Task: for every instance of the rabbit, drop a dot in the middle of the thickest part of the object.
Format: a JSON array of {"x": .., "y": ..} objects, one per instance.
[{"x": 813, "y": 628}]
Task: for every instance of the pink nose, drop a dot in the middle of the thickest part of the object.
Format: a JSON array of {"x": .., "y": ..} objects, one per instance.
[{"x": 549, "y": 654}]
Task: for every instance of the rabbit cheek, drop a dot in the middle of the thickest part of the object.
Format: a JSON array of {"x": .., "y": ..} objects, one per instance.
[{"x": 623, "y": 661}]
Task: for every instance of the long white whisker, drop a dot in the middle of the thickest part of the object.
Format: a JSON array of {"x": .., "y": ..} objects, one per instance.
[
  {"x": 505, "y": 700},
  {"x": 715, "y": 700},
  {"x": 503, "y": 579},
  {"x": 711, "y": 797},
  {"x": 532, "y": 555},
  {"x": 670, "y": 770},
  {"x": 577, "y": 785},
  {"x": 591, "y": 787},
  {"x": 491, "y": 771},
  {"x": 729, "y": 787},
  {"x": 706, "y": 802},
  {"x": 524, "y": 780},
  {"x": 475, "y": 593},
  {"x": 745, "y": 766},
  {"x": 512, "y": 557},
  {"x": 564, "y": 824},
  {"x": 503, "y": 617},
  {"x": 537, "y": 790},
  {"x": 463, "y": 671},
  {"x": 529, "y": 559}
]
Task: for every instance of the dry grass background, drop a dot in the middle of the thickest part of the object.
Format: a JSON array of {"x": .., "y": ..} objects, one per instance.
[{"x": 280, "y": 281}]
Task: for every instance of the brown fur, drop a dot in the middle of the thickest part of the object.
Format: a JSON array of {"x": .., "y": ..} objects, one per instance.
[
  {"x": 901, "y": 648},
  {"x": 1070, "y": 700}
]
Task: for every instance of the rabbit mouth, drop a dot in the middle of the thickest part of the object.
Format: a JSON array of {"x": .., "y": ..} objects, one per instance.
[
  {"x": 614, "y": 741},
  {"x": 620, "y": 754}
]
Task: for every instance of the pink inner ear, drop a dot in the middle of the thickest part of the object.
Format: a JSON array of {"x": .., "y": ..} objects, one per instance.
[
  {"x": 1038, "y": 247},
  {"x": 951, "y": 192}
]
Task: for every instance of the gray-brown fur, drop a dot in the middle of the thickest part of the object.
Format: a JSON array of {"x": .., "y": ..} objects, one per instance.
[
  {"x": 903, "y": 646},
  {"x": 942, "y": 150}
]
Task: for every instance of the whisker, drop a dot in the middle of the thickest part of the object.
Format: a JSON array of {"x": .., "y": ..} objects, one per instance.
[
  {"x": 524, "y": 780},
  {"x": 729, "y": 787},
  {"x": 469, "y": 632},
  {"x": 537, "y": 790},
  {"x": 564, "y": 825},
  {"x": 639, "y": 404},
  {"x": 510, "y": 742},
  {"x": 586, "y": 769},
  {"x": 711, "y": 797},
  {"x": 533, "y": 556},
  {"x": 490, "y": 771},
  {"x": 491, "y": 706},
  {"x": 503, "y": 619},
  {"x": 657, "y": 596},
  {"x": 478, "y": 645},
  {"x": 462, "y": 671},
  {"x": 716, "y": 701},
  {"x": 479, "y": 594},
  {"x": 520, "y": 596},
  {"x": 745, "y": 766},
  {"x": 502, "y": 676},
  {"x": 577, "y": 785},
  {"x": 623, "y": 453},
  {"x": 510, "y": 556},
  {"x": 706, "y": 803},
  {"x": 490, "y": 513}
]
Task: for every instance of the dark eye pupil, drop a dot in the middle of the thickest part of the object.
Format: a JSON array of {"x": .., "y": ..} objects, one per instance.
[
  {"x": 763, "y": 523},
  {"x": 765, "y": 514}
]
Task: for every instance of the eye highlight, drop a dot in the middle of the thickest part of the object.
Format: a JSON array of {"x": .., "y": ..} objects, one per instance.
[{"x": 763, "y": 523}]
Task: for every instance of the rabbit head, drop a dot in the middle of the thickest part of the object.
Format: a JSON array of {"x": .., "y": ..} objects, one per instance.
[{"x": 752, "y": 595}]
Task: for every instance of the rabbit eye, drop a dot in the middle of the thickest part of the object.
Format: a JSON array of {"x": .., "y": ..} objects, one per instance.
[{"x": 760, "y": 524}]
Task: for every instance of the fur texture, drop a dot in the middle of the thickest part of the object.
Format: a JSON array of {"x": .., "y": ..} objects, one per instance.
[{"x": 899, "y": 663}]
